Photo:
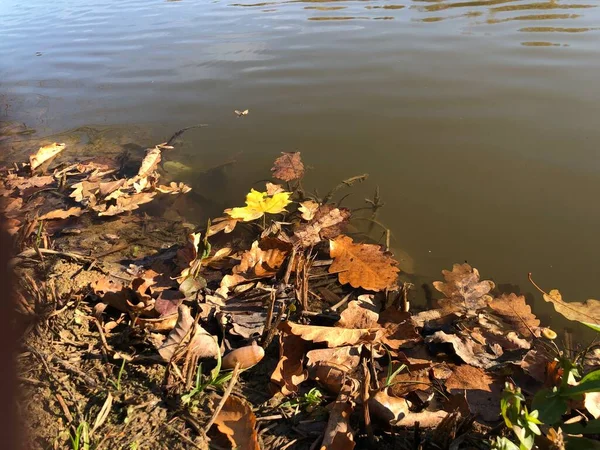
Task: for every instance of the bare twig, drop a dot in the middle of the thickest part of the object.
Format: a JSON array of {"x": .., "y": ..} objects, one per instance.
[{"x": 226, "y": 394}]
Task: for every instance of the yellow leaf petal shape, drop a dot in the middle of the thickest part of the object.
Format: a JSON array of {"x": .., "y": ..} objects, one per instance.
[{"x": 260, "y": 203}]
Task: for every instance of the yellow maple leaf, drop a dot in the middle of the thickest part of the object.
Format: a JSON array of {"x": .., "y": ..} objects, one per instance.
[{"x": 260, "y": 203}]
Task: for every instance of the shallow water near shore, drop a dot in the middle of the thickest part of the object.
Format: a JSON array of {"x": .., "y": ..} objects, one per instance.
[{"x": 476, "y": 119}]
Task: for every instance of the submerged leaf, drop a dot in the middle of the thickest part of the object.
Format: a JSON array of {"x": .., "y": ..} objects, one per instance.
[
  {"x": 62, "y": 214},
  {"x": 362, "y": 265},
  {"x": 288, "y": 167},
  {"x": 259, "y": 204},
  {"x": 128, "y": 203}
]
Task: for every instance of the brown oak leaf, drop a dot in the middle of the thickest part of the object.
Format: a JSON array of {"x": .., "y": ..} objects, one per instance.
[
  {"x": 362, "y": 265},
  {"x": 128, "y": 203},
  {"x": 290, "y": 371},
  {"x": 237, "y": 422},
  {"x": 466, "y": 349},
  {"x": 325, "y": 224},
  {"x": 338, "y": 435},
  {"x": 264, "y": 258},
  {"x": 330, "y": 336},
  {"x": 358, "y": 314},
  {"x": 463, "y": 288},
  {"x": 308, "y": 209},
  {"x": 481, "y": 391},
  {"x": 62, "y": 214},
  {"x": 513, "y": 310},
  {"x": 288, "y": 166},
  {"x": 31, "y": 182}
]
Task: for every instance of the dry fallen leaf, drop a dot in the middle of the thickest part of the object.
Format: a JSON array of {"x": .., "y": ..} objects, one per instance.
[
  {"x": 112, "y": 293},
  {"x": 326, "y": 224},
  {"x": 399, "y": 328},
  {"x": 264, "y": 258},
  {"x": 347, "y": 356},
  {"x": 358, "y": 315},
  {"x": 308, "y": 209},
  {"x": 128, "y": 203},
  {"x": 238, "y": 423},
  {"x": 174, "y": 188},
  {"x": 513, "y": 310},
  {"x": 32, "y": 182},
  {"x": 62, "y": 214},
  {"x": 273, "y": 188},
  {"x": 107, "y": 187},
  {"x": 198, "y": 342},
  {"x": 225, "y": 224},
  {"x": 45, "y": 153},
  {"x": 260, "y": 203},
  {"x": 11, "y": 207},
  {"x": 481, "y": 391},
  {"x": 587, "y": 312},
  {"x": 466, "y": 349},
  {"x": 288, "y": 167},
  {"x": 331, "y": 336},
  {"x": 85, "y": 190},
  {"x": 149, "y": 163},
  {"x": 463, "y": 288},
  {"x": 338, "y": 435},
  {"x": 362, "y": 265},
  {"x": 290, "y": 371}
]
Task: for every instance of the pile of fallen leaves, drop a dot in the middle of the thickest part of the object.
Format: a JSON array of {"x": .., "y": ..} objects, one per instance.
[
  {"x": 38, "y": 204},
  {"x": 286, "y": 270}
]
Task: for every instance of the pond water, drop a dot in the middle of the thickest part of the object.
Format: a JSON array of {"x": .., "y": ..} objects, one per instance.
[{"x": 478, "y": 120}]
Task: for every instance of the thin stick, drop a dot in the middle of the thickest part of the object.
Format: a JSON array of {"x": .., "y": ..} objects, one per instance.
[
  {"x": 535, "y": 285},
  {"x": 341, "y": 303},
  {"x": 269, "y": 320},
  {"x": 64, "y": 407},
  {"x": 226, "y": 394}
]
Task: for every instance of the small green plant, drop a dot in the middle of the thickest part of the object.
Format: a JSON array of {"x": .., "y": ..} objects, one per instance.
[
  {"x": 216, "y": 378},
  {"x": 117, "y": 384},
  {"x": 549, "y": 405},
  {"x": 81, "y": 439},
  {"x": 308, "y": 401},
  {"x": 523, "y": 423}
]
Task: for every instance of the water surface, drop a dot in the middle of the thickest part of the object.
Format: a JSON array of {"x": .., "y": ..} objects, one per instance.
[{"x": 477, "y": 119}]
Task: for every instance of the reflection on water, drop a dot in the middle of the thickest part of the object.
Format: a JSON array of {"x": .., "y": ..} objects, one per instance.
[
  {"x": 476, "y": 118},
  {"x": 422, "y": 10}
]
